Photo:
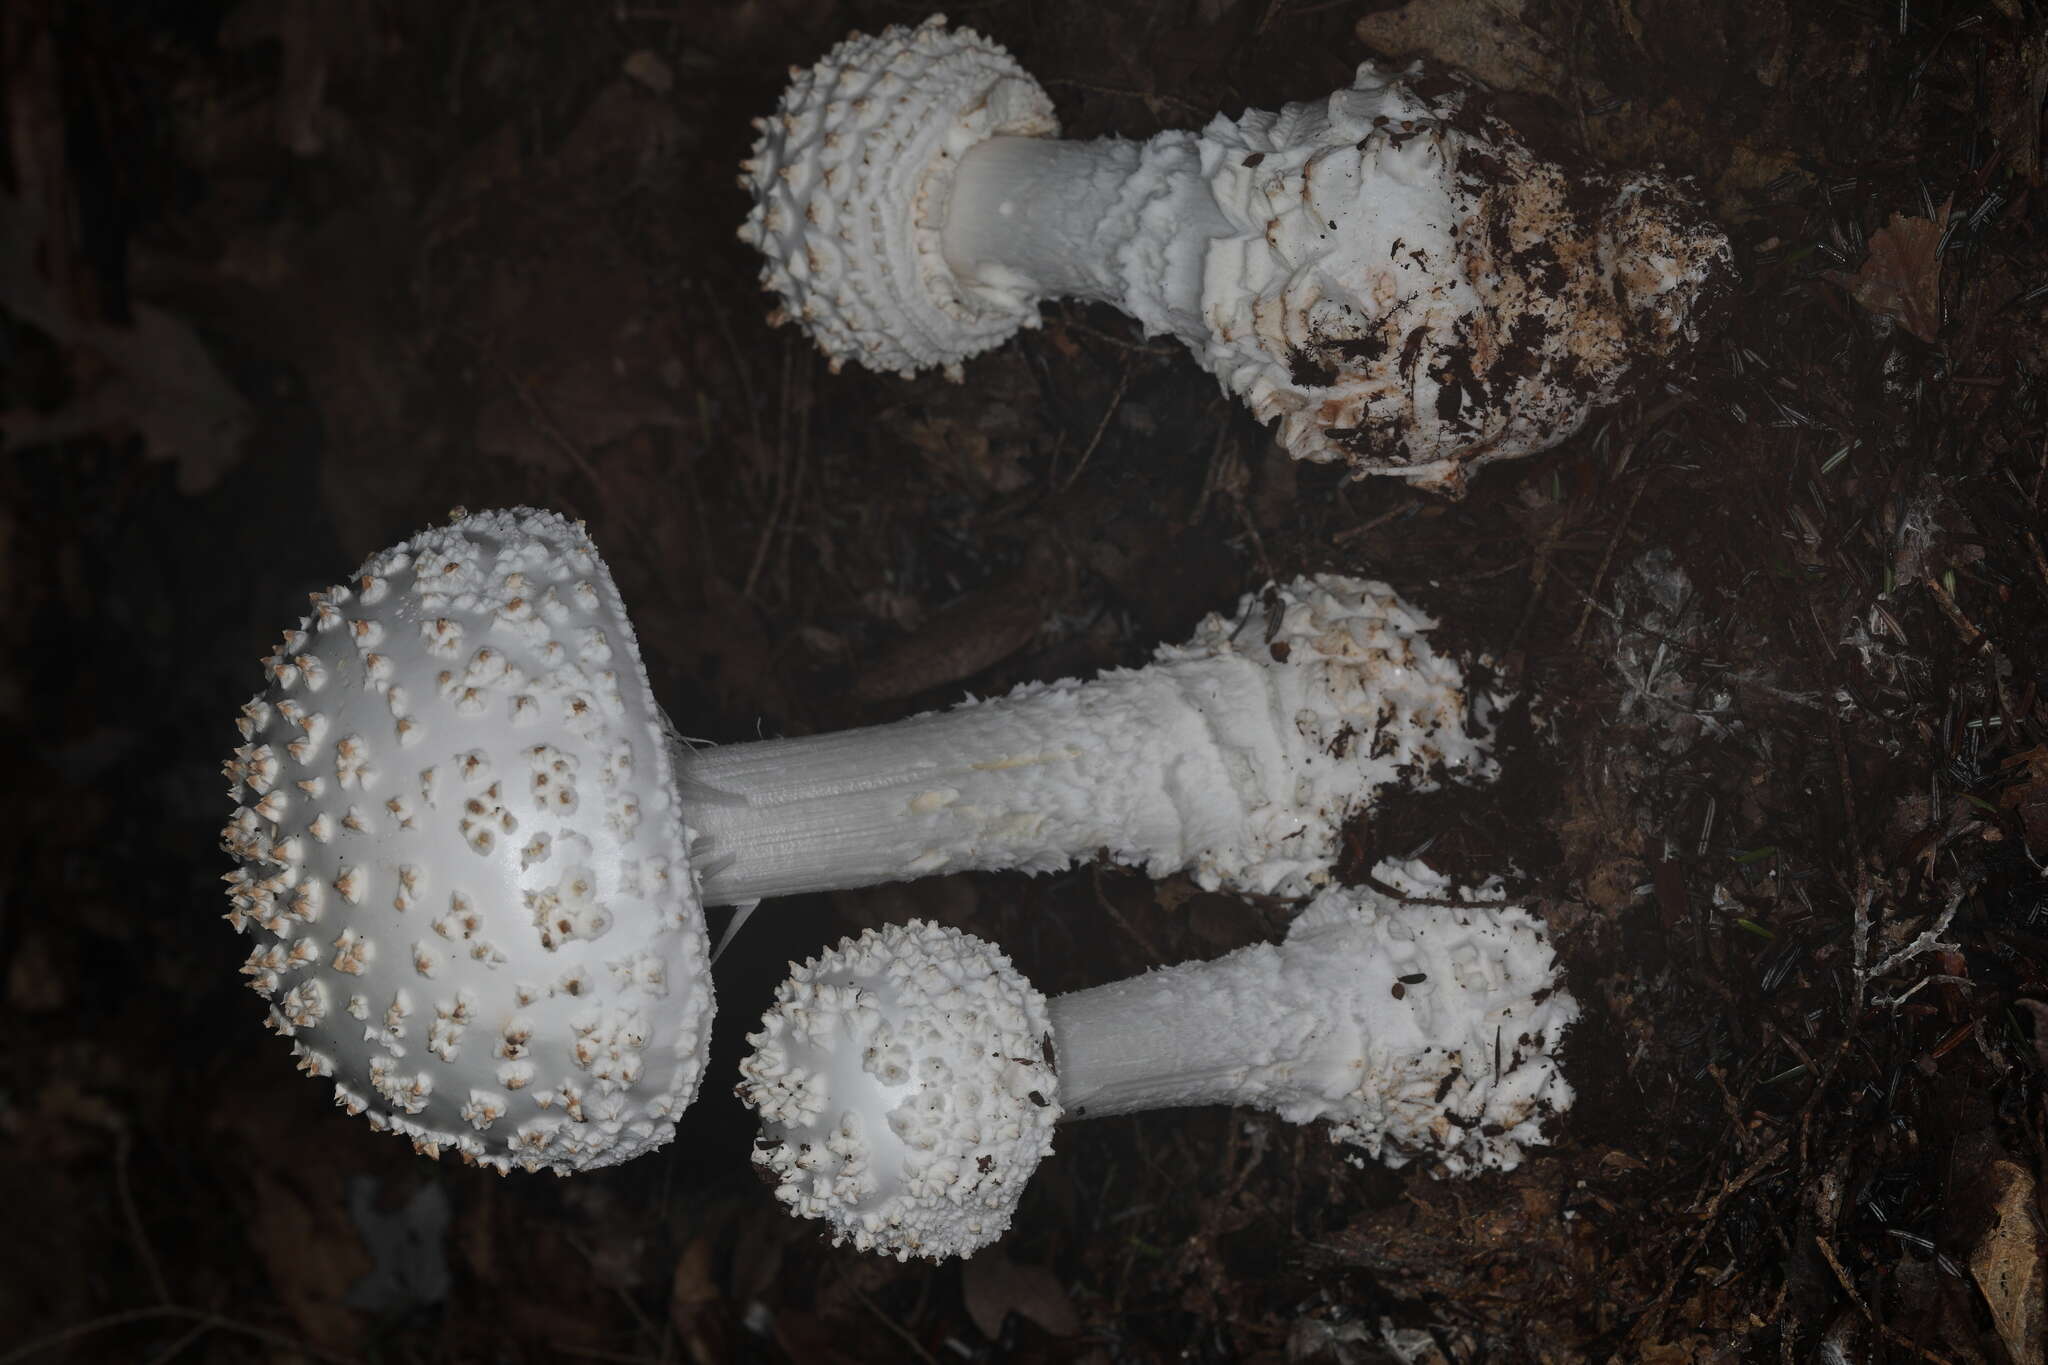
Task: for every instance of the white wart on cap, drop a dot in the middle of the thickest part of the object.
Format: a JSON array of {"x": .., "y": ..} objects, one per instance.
[{"x": 462, "y": 858}]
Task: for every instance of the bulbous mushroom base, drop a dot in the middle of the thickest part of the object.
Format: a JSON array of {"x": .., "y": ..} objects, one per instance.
[{"x": 1411, "y": 290}]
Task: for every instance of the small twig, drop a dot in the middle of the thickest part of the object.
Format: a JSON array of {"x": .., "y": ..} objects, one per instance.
[
  {"x": 1125, "y": 92},
  {"x": 1928, "y": 941},
  {"x": 782, "y": 480},
  {"x": 1613, "y": 542},
  {"x": 1859, "y": 947},
  {"x": 632, "y": 1306},
  {"x": 537, "y": 412},
  {"x": 740, "y": 369},
  {"x": 1890, "y": 1333},
  {"x": 177, "y": 1348},
  {"x": 599, "y": 1353},
  {"x": 1282, "y": 10},
  {"x": 1221, "y": 463},
  {"x": 122, "y": 1146},
  {"x": 1842, "y": 777},
  {"x": 1971, "y": 635},
  {"x": 1351, "y": 533},
  {"x": 2040, "y": 561},
  {"x": 1121, "y": 343},
  {"x": 458, "y": 65},
  {"x": 212, "y": 1321},
  {"x": 898, "y": 1328},
  {"x": 1095, "y": 880},
  {"x": 1708, "y": 1217},
  {"x": 1123, "y": 382}
]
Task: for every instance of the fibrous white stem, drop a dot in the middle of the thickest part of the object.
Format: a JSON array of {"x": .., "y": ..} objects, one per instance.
[
  {"x": 1237, "y": 757},
  {"x": 1415, "y": 1027},
  {"x": 1233, "y": 1031},
  {"x": 1113, "y": 221},
  {"x": 1131, "y": 763}
]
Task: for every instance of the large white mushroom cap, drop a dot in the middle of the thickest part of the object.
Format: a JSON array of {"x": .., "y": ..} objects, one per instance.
[
  {"x": 906, "y": 1090},
  {"x": 462, "y": 857}
]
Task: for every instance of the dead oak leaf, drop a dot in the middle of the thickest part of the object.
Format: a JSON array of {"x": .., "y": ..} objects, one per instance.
[
  {"x": 1901, "y": 278},
  {"x": 2028, "y": 794}
]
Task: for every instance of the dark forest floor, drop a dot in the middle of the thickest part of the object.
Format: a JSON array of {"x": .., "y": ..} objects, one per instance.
[{"x": 286, "y": 280}]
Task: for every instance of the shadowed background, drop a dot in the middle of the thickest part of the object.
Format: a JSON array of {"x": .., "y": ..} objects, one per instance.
[{"x": 283, "y": 281}]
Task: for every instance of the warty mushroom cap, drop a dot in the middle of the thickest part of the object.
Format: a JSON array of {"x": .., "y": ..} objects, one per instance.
[
  {"x": 906, "y": 1079},
  {"x": 462, "y": 856},
  {"x": 865, "y": 141}
]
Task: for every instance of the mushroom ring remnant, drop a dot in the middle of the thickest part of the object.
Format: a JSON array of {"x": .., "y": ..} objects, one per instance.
[
  {"x": 907, "y": 1081},
  {"x": 463, "y": 859},
  {"x": 1390, "y": 273}
]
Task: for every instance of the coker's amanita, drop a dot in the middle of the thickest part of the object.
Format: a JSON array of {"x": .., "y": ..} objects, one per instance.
[
  {"x": 908, "y": 1081},
  {"x": 1390, "y": 272},
  {"x": 477, "y": 858}
]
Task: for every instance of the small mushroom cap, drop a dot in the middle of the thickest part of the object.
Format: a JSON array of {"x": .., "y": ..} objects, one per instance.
[
  {"x": 906, "y": 1090},
  {"x": 462, "y": 858},
  {"x": 851, "y": 178}
]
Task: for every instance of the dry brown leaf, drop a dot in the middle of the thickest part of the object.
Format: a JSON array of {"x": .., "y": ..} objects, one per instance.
[
  {"x": 2016, "y": 81},
  {"x": 1901, "y": 278},
  {"x": 1492, "y": 41},
  {"x": 314, "y": 37},
  {"x": 149, "y": 375},
  {"x": 993, "y": 1286},
  {"x": 2010, "y": 1264},
  {"x": 2029, "y": 795},
  {"x": 976, "y": 632}
]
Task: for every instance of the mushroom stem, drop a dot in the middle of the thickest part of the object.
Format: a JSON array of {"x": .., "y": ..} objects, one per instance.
[
  {"x": 1243, "y": 1029},
  {"x": 1422, "y": 1024},
  {"x": 1237, "y": 757},
  {"x": 1297, "y": 1027},
  {"x": 1111, "y": 221},
  {"x": 1133, "y": 763}
]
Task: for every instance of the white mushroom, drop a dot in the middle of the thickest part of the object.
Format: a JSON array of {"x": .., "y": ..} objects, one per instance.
[
  {"x": 476, "y": 859},
  {"x": 1390, "y": 272},
  {"x": 462, "y": 857},
  {"x": 908, "y": 1080}
]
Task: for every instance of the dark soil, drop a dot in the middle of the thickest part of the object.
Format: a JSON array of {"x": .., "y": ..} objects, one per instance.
[{"x": 286, "y": 280}]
